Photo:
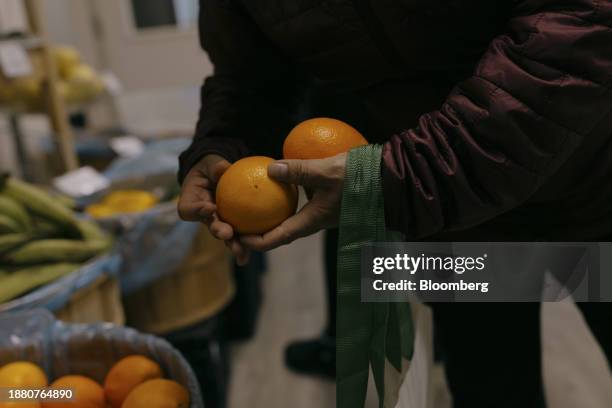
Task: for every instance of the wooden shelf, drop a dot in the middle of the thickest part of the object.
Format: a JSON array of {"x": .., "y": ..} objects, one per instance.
[
  {"x": 30, "y": 42},
  {"x": 55, "y": 105},
  {"x": 71, "y": 107}
]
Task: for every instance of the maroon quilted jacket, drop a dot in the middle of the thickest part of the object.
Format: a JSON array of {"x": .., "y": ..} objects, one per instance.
[{"x": 496, "y": 116}]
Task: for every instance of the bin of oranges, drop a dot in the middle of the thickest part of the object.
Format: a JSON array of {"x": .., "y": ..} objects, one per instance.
[{"x": 91, "y": 366}]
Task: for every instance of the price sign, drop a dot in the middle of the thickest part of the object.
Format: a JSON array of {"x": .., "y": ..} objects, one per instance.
[
  {"x": 81, "y": 182},
  {"x": 127, "y": 146}
]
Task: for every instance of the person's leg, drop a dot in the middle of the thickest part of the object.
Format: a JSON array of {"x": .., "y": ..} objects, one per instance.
[
  {"x": 492, "y": 353},
  {"x": 318, "y": 356},
  {"x": 599, "y": 318}
]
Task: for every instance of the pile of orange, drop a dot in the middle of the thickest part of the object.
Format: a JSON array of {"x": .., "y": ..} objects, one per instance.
[
  {"x": 133, "y": 382},
  {"x": 20, "y": 375},
  {"x": 253, "y": 203}
]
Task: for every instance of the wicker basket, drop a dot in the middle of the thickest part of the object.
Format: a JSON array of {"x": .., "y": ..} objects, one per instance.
[
  {"x": 24, "y": 98},
  {"x": 91, "y": 294},
  {"x": 101, "y": 302},
  {"x": 86, "y": 349},
  {"x": 200, "y": 287}
]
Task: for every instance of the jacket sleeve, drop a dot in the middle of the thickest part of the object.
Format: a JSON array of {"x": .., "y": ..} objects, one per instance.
[
  {"x": 535, "y": 95},
  {"x": 246, "y": 104}
]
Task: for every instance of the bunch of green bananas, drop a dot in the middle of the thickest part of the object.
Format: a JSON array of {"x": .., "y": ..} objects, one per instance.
[{"x": 41, "y": 239}]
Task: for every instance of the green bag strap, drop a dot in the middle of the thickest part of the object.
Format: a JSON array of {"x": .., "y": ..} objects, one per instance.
[{"x": 367, "y": 333}]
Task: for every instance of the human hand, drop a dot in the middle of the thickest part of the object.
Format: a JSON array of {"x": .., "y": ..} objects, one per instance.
[
  {"x": 197, "y": 203},
  {"x": 323, "y": 180}
]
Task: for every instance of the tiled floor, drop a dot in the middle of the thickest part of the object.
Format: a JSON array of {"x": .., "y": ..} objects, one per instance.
[{"x": 293, "y": 309}]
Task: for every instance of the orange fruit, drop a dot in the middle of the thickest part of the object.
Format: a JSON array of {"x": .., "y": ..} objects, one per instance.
[
  {"x": 126, "y": 375},
  {"x": 319, "y": 138},
  {"x": 22, "y": 374},
  {"x": 250, "y": 201},
  {"x": 158, "y": 393},
  {"x": 20, "y": 404},
  {"x": 86, "y": 393}
]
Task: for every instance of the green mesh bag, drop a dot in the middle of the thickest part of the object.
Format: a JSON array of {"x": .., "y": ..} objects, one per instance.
[{"x": 380, "y": 335}]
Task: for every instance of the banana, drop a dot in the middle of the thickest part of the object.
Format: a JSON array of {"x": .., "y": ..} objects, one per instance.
[
  {"x": 18, "y": 282},
  {"x": 8, "y": 225},
  {"x": 15, "y": 211},
  {"x": 90, "y": 231},
  {"x": 44, "y": 230},
  {"x": 10, "y": 241},
  {"x": 65, "y": 200},
  {"x": 39, "y": 202},
  {"x": 55, "y": 250}
]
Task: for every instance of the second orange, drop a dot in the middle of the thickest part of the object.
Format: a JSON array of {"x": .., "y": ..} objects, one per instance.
[{"x": 319, "y": 138}]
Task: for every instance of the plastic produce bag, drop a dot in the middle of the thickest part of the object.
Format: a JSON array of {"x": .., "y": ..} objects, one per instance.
[
  {"x": 154, "y": 170},
  {"x": 153, "y": 243},
  {"x": 154, "y": 247},
  {"x": 89, "y": 350},
  {"x": 163, "y": 186},
  {"x": 159, "y": 157},
  {"x": 56, "y": 295}
]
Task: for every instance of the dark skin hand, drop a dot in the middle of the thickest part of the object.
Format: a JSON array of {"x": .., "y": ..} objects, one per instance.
[
  {"x": 197, "y": 203},
  {"x": 322, "y": 179}
]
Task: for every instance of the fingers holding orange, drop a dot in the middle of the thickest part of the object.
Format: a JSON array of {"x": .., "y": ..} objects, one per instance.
[
  {"x": 217, "y": 169},
  {"x": 304, "y": 223},
  {"x": 250, "y": 201},
  {"x": 219, "y": 229},
  {"x": 239, "y": 250}
]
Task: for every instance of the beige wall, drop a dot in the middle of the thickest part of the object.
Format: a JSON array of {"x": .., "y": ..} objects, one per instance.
[
  {"x": 59, "y": 22},
  {"x": 159, "y": 58},
  {"x": 154, "y": 59}
]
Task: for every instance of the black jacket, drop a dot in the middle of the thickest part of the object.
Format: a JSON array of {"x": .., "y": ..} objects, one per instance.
[{"x": 496, "y": 116}]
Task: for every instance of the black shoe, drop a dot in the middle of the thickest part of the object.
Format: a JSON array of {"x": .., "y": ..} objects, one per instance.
[{"x": 313, "y": 357}]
